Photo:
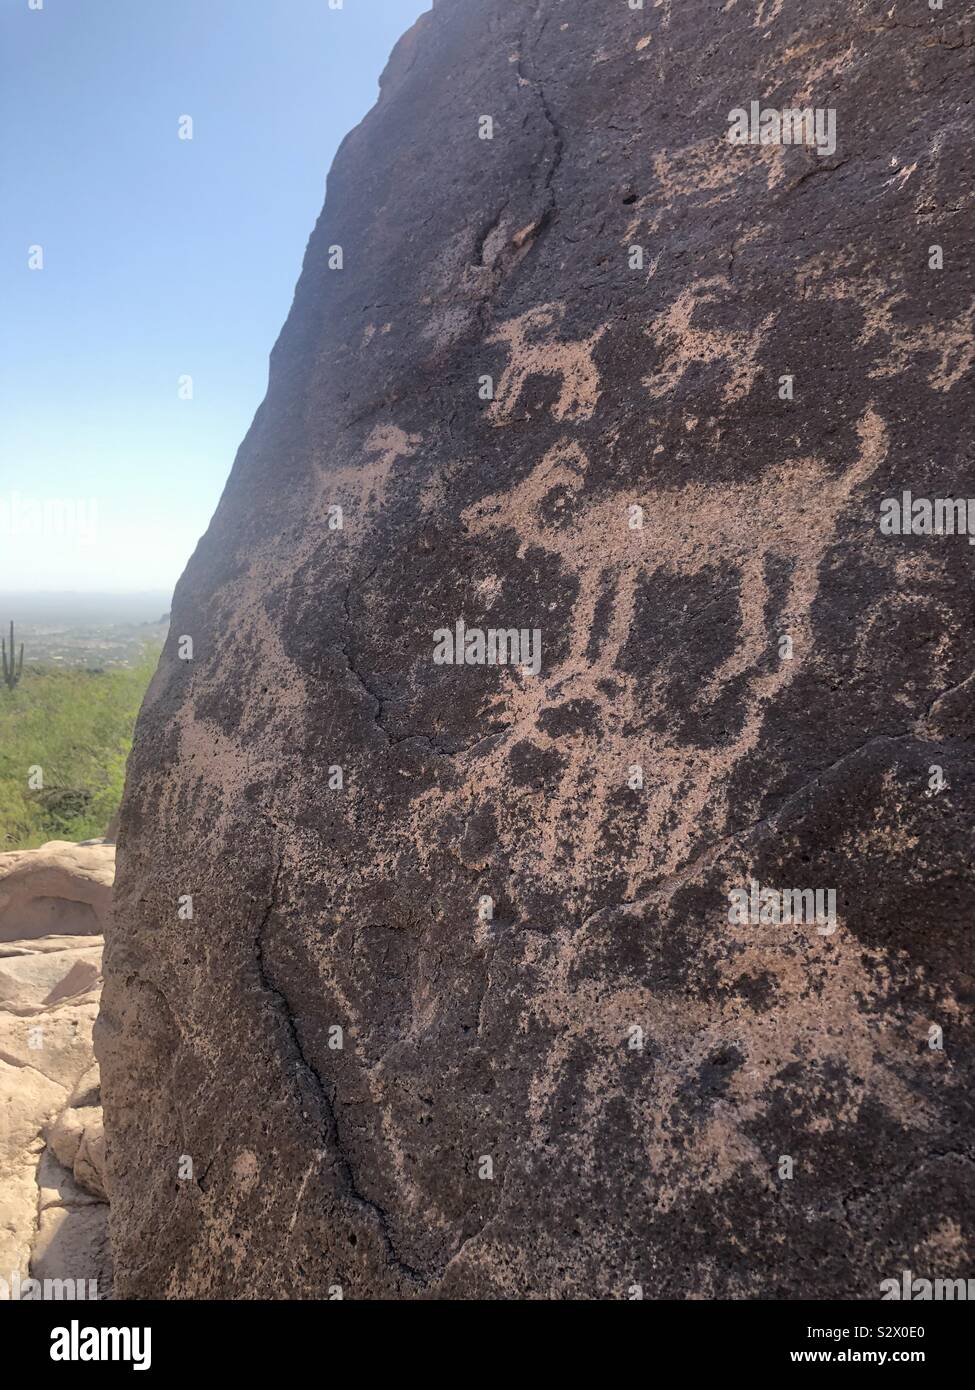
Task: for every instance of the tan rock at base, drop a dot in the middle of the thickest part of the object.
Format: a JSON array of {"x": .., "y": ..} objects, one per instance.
[
  {"x": 59, "y": 889},
  {"x": 53, "y": 1213}
]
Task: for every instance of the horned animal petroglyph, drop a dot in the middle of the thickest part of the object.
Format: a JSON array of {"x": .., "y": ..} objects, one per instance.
[
  {"x": 792, "y": 513},
  {"x": 535, "y": 351}
]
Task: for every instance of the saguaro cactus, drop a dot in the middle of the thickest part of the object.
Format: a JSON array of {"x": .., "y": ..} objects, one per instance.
[{"x": 12, "y": 671}]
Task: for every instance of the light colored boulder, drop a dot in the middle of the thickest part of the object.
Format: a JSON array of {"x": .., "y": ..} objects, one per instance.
[
  {"x": 71, "y": 1240},
  {"x": 28, "y": 1100},
  {"x": 32, "y": 982},
  {"x": 77, "y": 1136},
  {"x": 59, "y": 889},
  {"x": 53, "y": 1213}
]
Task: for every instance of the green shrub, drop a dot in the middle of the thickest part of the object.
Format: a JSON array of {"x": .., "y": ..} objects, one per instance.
[{"x": 76, "y": 726}]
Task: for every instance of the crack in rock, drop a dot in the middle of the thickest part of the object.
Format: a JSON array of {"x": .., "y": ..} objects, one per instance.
[{"x": 328, "y": 1126}]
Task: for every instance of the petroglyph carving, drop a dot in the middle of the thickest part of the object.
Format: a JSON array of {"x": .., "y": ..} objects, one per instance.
[
  {"x": 948, "y": 344},
  {"x": 790, "y": 513},
  {"x": 535, "y": 350},
  {"x": 686, "y": 344}
]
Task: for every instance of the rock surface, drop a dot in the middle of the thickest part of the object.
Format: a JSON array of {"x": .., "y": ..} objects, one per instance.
[
  {"x": 562, "y": 1071},
  {"x": 53, "y": 1209},
  {"x": 60, "y": 889}
]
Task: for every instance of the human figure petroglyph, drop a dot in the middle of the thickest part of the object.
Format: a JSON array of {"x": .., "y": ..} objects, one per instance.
[{"x": 535, "y": 350}]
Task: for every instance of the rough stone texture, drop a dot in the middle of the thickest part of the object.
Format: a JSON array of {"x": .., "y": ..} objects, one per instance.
[
  {"x": 53, "y": 1209},
  {"x": 316, "y": 907}
]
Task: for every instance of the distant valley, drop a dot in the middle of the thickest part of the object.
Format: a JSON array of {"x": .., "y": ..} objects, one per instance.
[{"x": 91, "y": 631}]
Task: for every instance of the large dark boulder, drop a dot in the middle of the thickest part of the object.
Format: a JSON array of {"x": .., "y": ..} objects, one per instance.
[{"x": 566, "y": 1069}]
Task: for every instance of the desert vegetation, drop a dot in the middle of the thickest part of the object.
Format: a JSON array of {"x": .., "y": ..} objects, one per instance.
[{"x": 64, "y": 738}]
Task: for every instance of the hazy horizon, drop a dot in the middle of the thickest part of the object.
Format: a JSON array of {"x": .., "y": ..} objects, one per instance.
[{"x": 32, "y": 606}]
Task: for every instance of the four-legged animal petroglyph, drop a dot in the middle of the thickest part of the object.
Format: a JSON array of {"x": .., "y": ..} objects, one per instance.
[
  {"x": 685, "y": 344},
  {"x": 791, "y": 513},
  {"x": 536, "y": 351}
]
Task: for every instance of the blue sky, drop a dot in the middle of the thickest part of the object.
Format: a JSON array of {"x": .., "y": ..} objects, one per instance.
[{"x": 162, "y": 257}]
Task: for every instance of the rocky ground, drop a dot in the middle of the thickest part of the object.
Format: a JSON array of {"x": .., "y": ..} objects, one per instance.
[{"x": 54, "y": 905}]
